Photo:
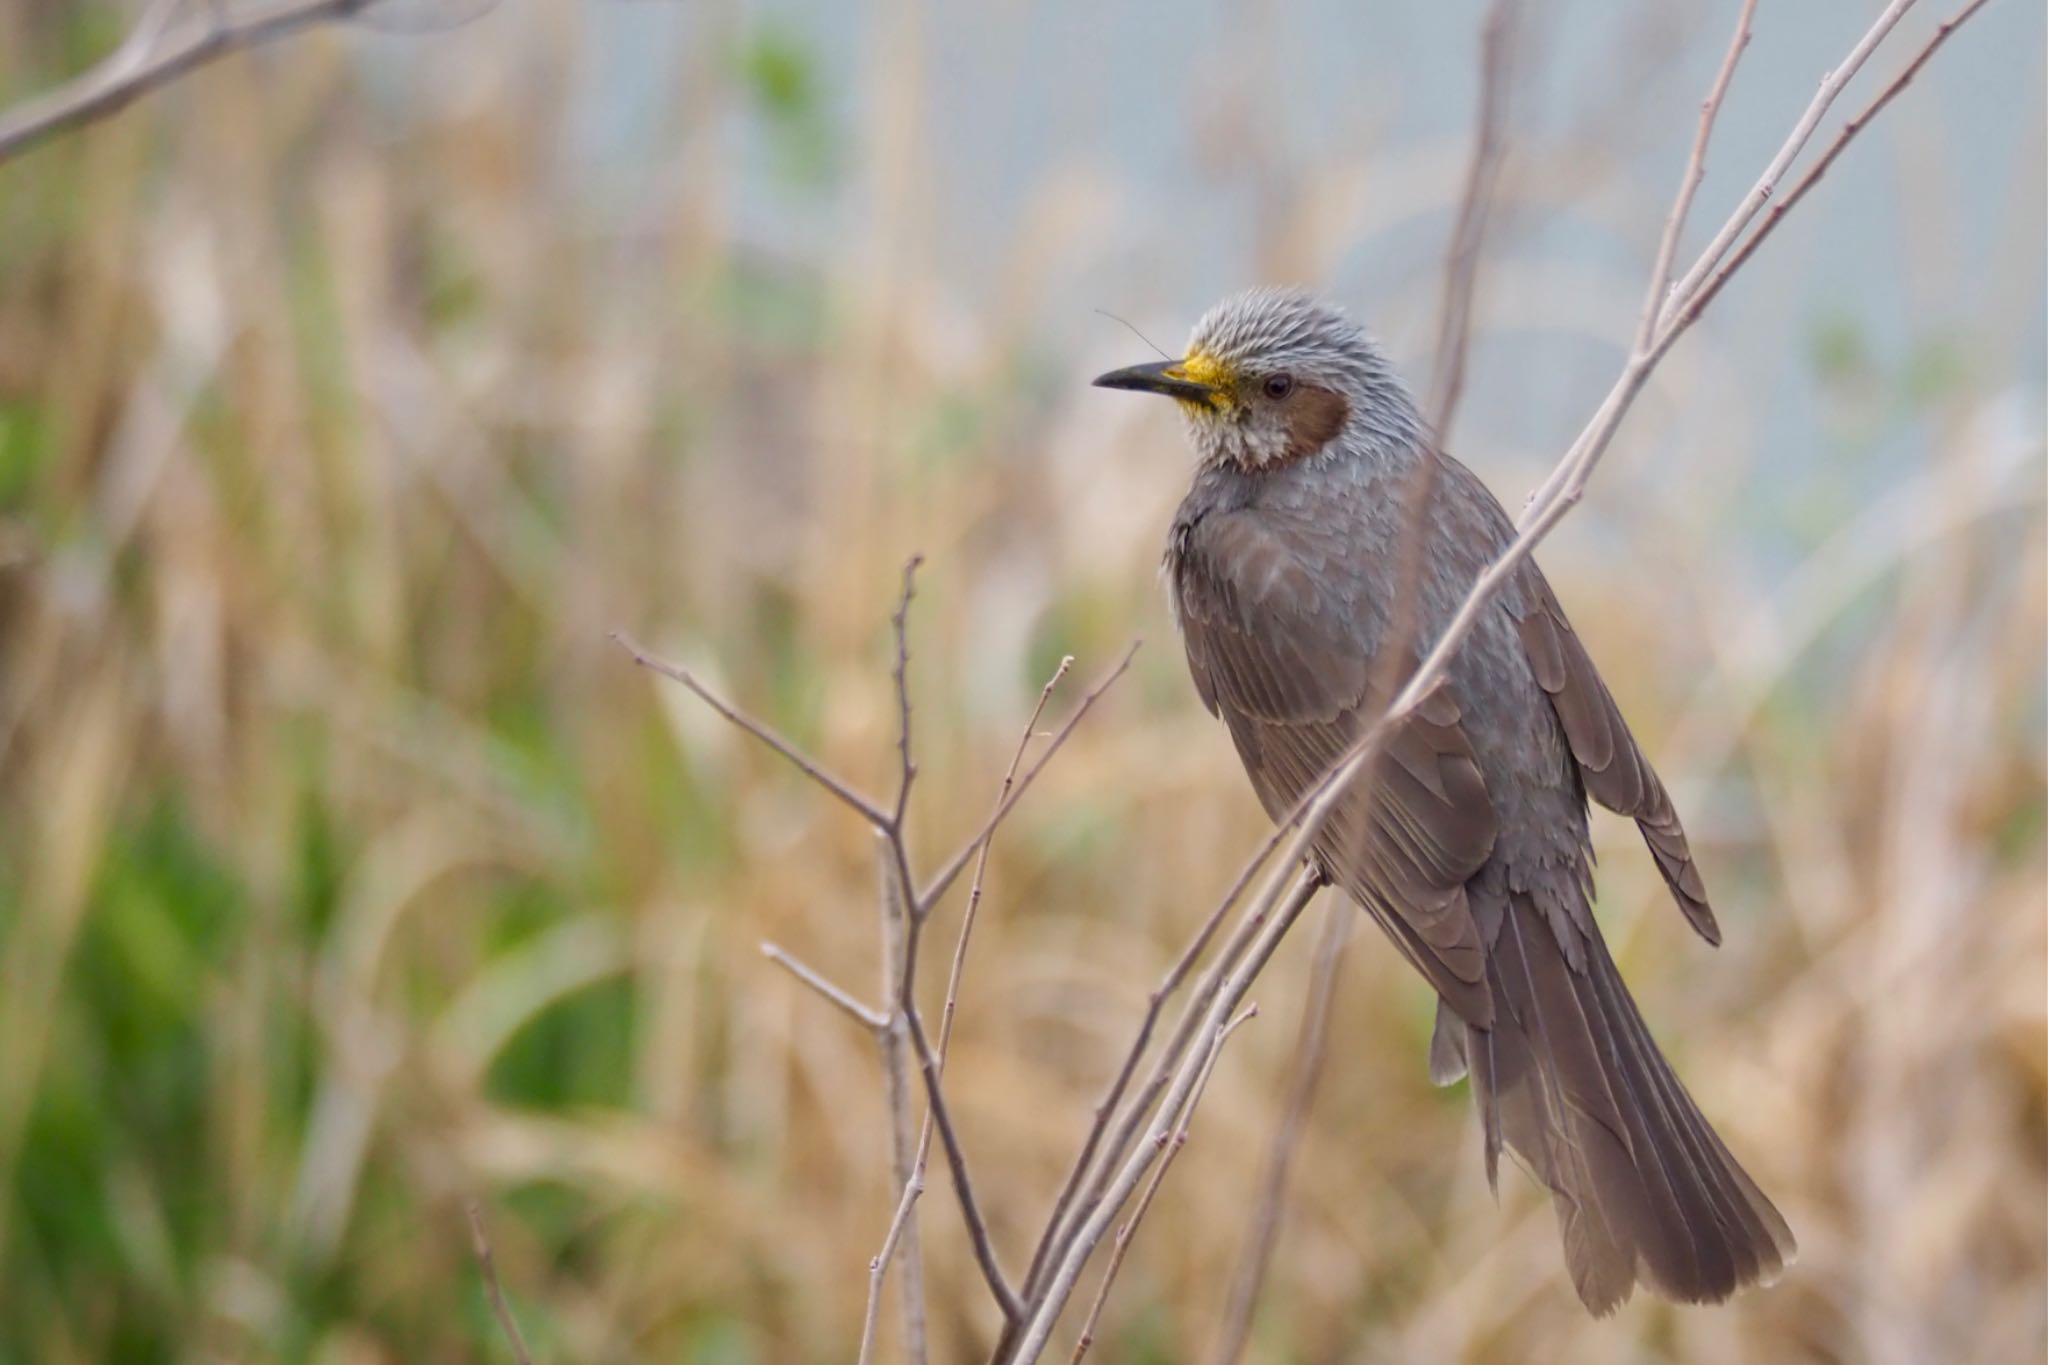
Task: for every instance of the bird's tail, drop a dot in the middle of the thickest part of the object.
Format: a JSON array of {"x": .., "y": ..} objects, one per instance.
[{"x": 1570, "y": 1080}]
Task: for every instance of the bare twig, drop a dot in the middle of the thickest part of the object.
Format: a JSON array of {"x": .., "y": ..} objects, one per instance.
[
  {"x": 1121, "y": 1244},
  {"x": 155, "y": 54},
  {"x": 909, "y": 917},
  {"x": 868, "y": 1017},
  {"x": 1095, "y": 1169},
  {"x": 1712, "y": 287},
  {"x": 1461, "y": 273},
  {"x": 904, "y": 1156},
  {"x": 913, "y": 1188},
  {"x": 1107, "y": 1108},
  {"x": 1767, "y": 184},
  {"x": 974, "y": 885},
  {"x": 900, "y": 621},
  {"x": 1277, "y": 909},
  {"x": 963, "y": 1185},
  {"x": 1264, "y": 1226},
  {"x": 861, "y": 805},
  {"x": 1689, "y": 182},
  {"x": 878, "y": 1268},
  {"x": 903, "y": 951},
  {"x": 955, "y": 865},
  {"x": 480, "y": 1241}
]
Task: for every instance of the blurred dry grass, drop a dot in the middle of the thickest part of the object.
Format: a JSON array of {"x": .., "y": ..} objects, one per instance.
[{"x": 346, "y": 870}]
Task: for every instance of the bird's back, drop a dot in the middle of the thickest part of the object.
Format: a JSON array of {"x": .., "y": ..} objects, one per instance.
[{"x": 1315, "y": 552}]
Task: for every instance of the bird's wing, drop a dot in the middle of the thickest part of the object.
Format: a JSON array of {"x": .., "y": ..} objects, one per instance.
[
  {"x": 1614, "y": 770},
  {"x": 1275, "y": 654}
]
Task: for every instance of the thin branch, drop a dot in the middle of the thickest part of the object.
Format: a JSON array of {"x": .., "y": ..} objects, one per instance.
[
  {"x": 1454, "y": 327},
  {"x": 1696, "y": 305},
  {"x": 1278, "y": 910},
  {"x": 1305, "y": 824},
  {"x": 974, "y": 885},
  {"x": 914, "y": 1187},
  {"x": 480, "y": 1241},
  {"x": 878, "y": 1268},
  {"x": 1106, "y": 1109},
  {"x": 1566, "y": 483},
  {"x": 900, "y": 620},
  {"x": 946, "y": 875},
  {"x": 154, "y": 55},
  {"x": 861, "y": 805},
  {"x": 907, "y": 917},
  {"x": 868, "y": 1017},
  {"x": 1078, "y": 1200},
  {"x": 1121, "y": 1245},
  {"x": 963, "y": 1185},
  {"x": 1264, "y": 1226},
  {"x": 1285, "y": 831},
  {"x": 1689, "y": 182},
  {"x": 889, "y": 827},
  {"x": 1831, "y": 85},
  {"x": 897, "y": 959}
]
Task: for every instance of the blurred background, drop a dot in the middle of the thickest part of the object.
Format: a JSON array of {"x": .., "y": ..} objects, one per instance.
[{"x": 352, "y": 390}]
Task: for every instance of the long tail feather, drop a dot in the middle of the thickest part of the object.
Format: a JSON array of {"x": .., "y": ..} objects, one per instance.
[{"x": 1569, "y": 1079}]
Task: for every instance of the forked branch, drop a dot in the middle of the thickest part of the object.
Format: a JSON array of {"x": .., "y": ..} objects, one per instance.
[{"x": 904, "y": 920}]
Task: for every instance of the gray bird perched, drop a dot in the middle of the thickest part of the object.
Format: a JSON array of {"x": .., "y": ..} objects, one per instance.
[{"x": 1467, "y": 841}]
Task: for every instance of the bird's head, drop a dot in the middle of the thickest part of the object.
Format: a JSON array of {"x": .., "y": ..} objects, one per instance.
[{"x": 1273, "y": 376}]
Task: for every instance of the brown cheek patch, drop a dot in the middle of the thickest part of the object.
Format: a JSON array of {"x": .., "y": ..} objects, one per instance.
[{"x": 1314, "y": 417}]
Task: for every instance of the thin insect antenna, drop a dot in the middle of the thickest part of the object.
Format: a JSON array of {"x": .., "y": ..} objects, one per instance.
[{"x": 1135, "y": 332}]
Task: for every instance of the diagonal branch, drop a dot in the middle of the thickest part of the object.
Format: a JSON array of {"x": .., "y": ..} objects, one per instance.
[
  {"x": 872, "y": 1019},
  {"x": 1263, "y": 1230},
  {"x": 1278, "y": 908},
  {"x": 1122, "y": 1242},
  {"x": 963, "y": 1185},
  {"x": 974, "y": 885},
  {"x": 1689, "y": 182},
  {"x": 155, "y": 54},
  {"x": 1566, "y": 484},
  {"x": 954, "y": 866},
  {"x": 487, "y": 1265},
  {"x": 878, "y": 1268},
  {"x": 1712, "y": 287},
  {"x": 1058, "y": 1226},
  {"x": 861, "y": 805},
  {"x": 1475, "y": 208},
  {"x": 1831, "y": 85}
]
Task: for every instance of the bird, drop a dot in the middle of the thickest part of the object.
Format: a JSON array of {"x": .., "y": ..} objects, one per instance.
[{"x": 1466, "y": 837}]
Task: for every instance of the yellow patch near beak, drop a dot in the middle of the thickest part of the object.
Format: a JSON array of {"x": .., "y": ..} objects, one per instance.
[{"x": 1202, "y": 368}]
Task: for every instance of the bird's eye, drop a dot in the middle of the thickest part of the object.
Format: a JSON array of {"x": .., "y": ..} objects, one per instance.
[{"x": 1279, "y": 385}]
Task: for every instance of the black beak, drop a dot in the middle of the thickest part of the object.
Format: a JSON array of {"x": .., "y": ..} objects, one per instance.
[{"x": 1158, "y": 376}]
